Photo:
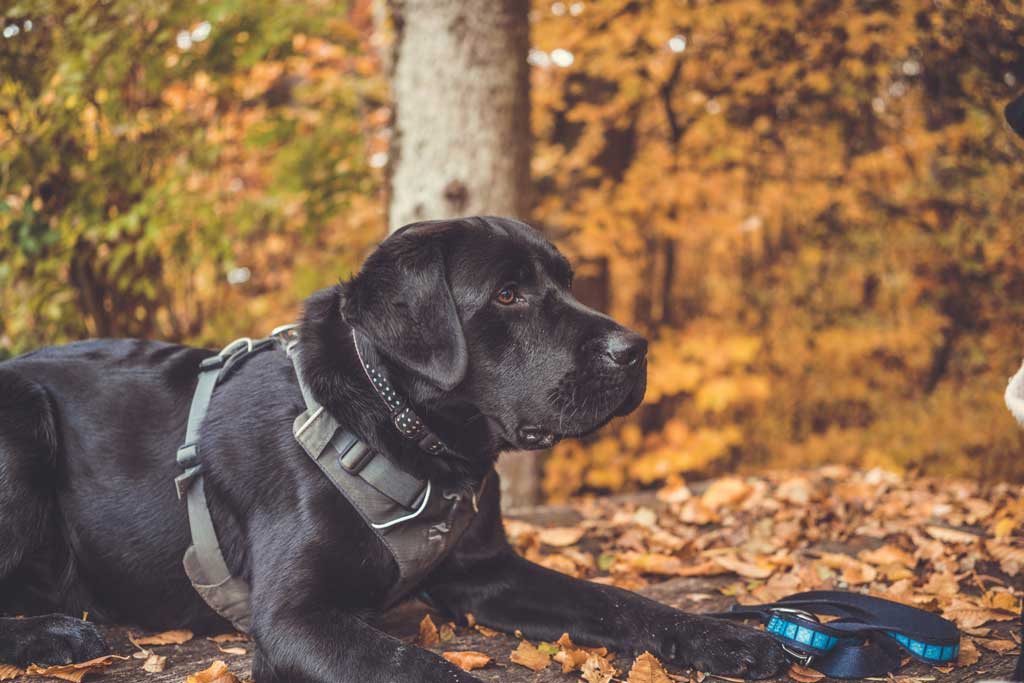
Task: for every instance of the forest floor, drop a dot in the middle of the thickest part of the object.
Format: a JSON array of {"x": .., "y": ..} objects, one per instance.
[{"x": 949, "y": 546}]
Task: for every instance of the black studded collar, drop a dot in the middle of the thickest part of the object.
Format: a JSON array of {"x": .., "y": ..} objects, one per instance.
[{"x": 406, "y": 421}]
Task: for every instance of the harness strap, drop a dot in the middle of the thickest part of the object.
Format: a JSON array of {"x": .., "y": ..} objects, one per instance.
[
  {"x": 204, "y": 560},
  {"x": 383, "y": 494},
  {"x": 345, "y": 451},
  {"x": 867, "y": 640}
]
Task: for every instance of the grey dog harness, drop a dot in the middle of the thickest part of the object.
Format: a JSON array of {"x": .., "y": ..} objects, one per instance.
[{"x": 417, "y": 522}]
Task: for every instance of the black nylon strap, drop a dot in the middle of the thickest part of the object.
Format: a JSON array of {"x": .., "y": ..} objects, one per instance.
[
  {"x": 867, "y": 640},
  {"x": 356, "y": 457}
]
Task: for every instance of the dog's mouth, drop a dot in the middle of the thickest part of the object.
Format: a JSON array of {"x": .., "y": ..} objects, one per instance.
[
  {"x": 535, "y": 438},
  {"x": 532, "y": 437}
]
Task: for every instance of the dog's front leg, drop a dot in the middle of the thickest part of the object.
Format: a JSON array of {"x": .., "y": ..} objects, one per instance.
[
  {"x": 333, "y": 646},
  {"x": 508, "y": 592}
]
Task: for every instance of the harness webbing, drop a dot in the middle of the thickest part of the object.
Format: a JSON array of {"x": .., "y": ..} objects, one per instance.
[{"x": 388, "y": 498}]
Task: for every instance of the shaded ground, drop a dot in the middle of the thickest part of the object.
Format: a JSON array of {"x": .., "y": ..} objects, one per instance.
[{"x": 945, "y": 546}]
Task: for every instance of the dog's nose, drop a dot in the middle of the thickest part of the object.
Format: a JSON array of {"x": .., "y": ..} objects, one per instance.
[{"x": 625, "y": 348}]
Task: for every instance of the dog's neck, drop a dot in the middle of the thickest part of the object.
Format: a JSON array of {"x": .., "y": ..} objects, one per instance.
[{"x": 335, "y": 374}]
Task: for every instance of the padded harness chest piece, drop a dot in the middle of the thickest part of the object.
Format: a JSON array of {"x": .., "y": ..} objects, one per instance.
[{"x": 417, "y": 524}]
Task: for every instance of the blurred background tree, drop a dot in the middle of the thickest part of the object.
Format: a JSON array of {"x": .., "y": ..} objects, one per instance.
[{"x": 811, "y": 207}]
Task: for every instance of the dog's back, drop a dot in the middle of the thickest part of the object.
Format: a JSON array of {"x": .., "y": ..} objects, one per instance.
[{"x": 88, "y": 433}]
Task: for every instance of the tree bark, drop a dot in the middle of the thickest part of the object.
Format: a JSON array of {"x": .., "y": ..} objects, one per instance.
[
  {"x": 461, "y": 136},
  {"x": 461, "y": 142}
]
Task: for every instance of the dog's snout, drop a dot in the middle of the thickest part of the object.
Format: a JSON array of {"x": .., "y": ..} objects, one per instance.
[{"x": 625, "y": 348}]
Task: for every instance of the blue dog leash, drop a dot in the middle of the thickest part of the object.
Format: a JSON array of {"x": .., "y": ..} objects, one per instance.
[{"x": 868, "y": 639}]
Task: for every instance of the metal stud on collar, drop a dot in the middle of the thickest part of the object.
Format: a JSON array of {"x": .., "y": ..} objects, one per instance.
[{"x": 405, "y": 419}]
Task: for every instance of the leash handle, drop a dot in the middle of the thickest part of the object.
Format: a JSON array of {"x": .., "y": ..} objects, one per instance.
[{"x": 867, "y": 640}]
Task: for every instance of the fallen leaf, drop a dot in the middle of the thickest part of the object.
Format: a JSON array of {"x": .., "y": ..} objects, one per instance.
[
  {"x": 747, "y": 570},
  {"x": 888, "y": 555},
  {"x": 796, "y": 491},
  {"x": 1011, "y": 558},
  {"x": 73, "y": 672},
  {"x": 648, "y": 563},
  {"x": 708, "y": 568},
  {"x": 483, "y": 630},
  {"x": 804, "y": 674},
  {"x": 1002, "y": 600},
  {"x": 596, "y": 669},
  {"x": 217, "y": 673},
  {"x": 1003, "y": 647},
  {"x": 446, "y": 632},
  {"x": 561, "y": 536},
  {"x": 725, "y": 492},
  {"x": 232, "y": 650},
  {"x": 969, "y": 654},
  {"x": 1004, "y": 528},
  {"x": 529, "y": 656},
  {"x": 7, "y": 672},
  {"x": 647, "y": 669},
  {"x": 467, "y": 660},
  {"x": 947, "y": 535},
  {"x": 429, "y": 636},
  {"x": 165, "y": 638},
  {"x": 968, "y": 615},
  {"x": 229, "y": 638},
  {"x": 154, "y": 663}
]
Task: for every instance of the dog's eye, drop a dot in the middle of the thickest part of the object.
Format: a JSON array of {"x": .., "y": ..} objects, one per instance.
[{"x": 507, "y": 295}]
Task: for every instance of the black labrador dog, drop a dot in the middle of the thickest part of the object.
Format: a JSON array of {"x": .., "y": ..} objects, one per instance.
[{"x": 477, "y": 326}]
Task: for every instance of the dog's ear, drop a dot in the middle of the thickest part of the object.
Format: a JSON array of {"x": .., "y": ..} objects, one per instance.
[{"x": 402, "y": 301}]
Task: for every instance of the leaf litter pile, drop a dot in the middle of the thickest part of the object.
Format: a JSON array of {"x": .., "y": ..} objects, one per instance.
[
  {"x": 952, "y": 547},
  {"x": 947, "y": 546}
]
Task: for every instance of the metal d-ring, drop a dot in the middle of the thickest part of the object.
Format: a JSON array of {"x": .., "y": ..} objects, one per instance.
[
  {"x": 803, "y": 659},
  {"x": 800, "y": 657},
  {"x": 799, "y": 612}
]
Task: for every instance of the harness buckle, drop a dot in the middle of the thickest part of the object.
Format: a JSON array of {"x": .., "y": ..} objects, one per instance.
[
  {"x": 188, "y": 456},
  {"x": 211, "y": 363},
  {"x": 356, "y": 457}
]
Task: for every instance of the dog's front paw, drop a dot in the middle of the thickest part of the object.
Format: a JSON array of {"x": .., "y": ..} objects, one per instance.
[
  {"x": 724, "y": 648},
  {"x": 55, "y": 639}
]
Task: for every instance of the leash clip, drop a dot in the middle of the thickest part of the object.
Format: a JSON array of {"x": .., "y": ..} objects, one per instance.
[{"x": 802, "y": 659}]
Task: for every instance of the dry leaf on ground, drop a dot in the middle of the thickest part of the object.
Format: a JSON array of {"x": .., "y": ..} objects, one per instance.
[
  {"x": 154, "y": 663},
  {"x": 165, "y": 638},
  {"x": 647, "y": 669},
  {"x": 483, "y": 630},
  {"x": 969, "y": 654},
  {"x": 725, "y": 492},
  {"x": 1003, "y": 647},
  {"x": 529, "y": 656},
  {"x": 73, "y": 672},
  {"x": 8, "y": 671},
  {"x": 560, "y": 537},
  {"x": 429, "y": 637},
  {"x": 745, "y": 569},
  {"x": 446, "y": 632},
  {"x": 229, "y": 638},
  {"x": 217, "y": 673},
  {"x": 947, "y": 535},
  {"x": 596, "y": 669},
  {"x": 234, "y": 650},
  {"x": 804, "y": 674},
  {"x": 467, "y": 660}
]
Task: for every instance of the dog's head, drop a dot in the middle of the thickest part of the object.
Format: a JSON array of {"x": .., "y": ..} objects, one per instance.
[{"x": 478, "y": 315}]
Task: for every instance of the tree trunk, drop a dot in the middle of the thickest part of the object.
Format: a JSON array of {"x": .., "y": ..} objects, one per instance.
[
  {"x": 461, "y": 136},
  {"x": 461, "y": 141}
]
